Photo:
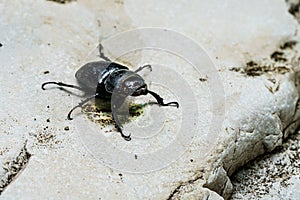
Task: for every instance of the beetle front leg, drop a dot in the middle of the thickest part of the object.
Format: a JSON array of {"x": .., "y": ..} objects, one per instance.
[
  {"x": 115, "y": 107},
  {"x": 160, "y": 100},
  {"x": 119, "y": 128}
]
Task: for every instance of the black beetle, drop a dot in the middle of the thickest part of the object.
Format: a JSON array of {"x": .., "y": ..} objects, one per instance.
[{"x": 106, "y": 78}]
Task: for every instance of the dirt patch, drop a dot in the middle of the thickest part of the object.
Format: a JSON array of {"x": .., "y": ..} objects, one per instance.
[{"x": 279, "y": 62}]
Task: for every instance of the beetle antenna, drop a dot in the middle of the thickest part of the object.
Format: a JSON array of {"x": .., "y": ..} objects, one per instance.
[
  {"x": 160, "y": 100},
  {"x": 61, "y": 84},
  {"x": 143, "y": 67},
  {"x": 80, "y": 105}
]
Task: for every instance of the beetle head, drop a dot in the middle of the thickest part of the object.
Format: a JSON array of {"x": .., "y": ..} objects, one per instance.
[{"x": 133, "y": 85}]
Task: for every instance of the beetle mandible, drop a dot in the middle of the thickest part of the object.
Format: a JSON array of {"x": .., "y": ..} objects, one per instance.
[{"x": 100, "y": 79}]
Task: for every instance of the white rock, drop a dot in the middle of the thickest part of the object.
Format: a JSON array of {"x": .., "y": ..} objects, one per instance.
[{"x": 40, "y": 36}]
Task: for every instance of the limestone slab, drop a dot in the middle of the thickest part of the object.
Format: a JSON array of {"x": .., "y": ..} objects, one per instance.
[{"x": 238, "y": 97}]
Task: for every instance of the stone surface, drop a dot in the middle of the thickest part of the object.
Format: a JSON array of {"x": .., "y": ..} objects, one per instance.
[
  {"x": 272, "y": 176},
  {"x": 46, "y": 41}
]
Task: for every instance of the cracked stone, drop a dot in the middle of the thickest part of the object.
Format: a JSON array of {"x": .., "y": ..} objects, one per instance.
[{"x": 256, "y": 55}]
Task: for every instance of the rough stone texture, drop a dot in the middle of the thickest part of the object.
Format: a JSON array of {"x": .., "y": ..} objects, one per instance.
[
  {"x": 44, "y": 40},
  {"x": 275, "y": 175},
  {"x": 272, "y": 176}
]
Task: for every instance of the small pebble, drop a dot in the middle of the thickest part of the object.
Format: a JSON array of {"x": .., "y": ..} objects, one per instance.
[{"x": 67, "y": 128}]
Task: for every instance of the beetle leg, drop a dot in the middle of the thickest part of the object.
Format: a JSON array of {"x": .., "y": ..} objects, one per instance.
[
  {"x": 102, "y": 54},
  {"x": 61, "y": 84},
  {"x": 126, "y": 137},
  {"x": 160, "y": 100},
  {"x": 119, "y": 127},
  {"x": 143, "y": 67},
  {"x": 80, "y": 105},
  {"x": 115, "y": 107}
]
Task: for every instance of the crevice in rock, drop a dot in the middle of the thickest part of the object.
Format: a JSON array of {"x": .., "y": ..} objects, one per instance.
[
  {"x": 219, "y": 182},
  {"x": 175, "y": 193},
  {"x": 13, "y": 167}
]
